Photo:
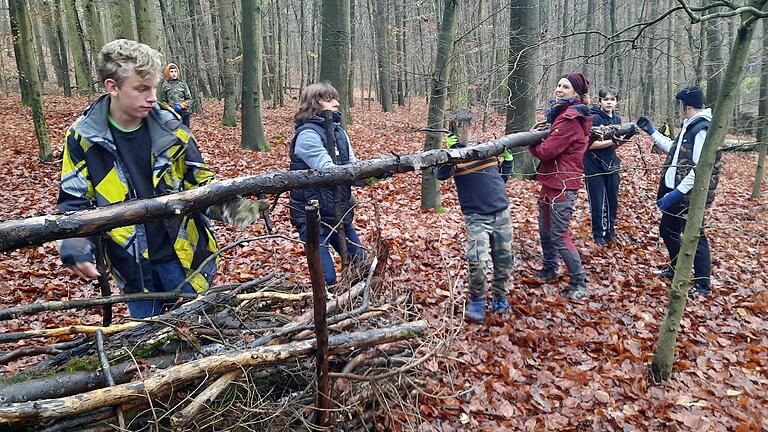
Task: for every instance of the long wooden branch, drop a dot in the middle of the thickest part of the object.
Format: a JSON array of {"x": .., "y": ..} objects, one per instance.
[
  {"x": 45, "y": 410},
  {"x": 69, "y": 330},
  {"x": 40, "y": 229}
]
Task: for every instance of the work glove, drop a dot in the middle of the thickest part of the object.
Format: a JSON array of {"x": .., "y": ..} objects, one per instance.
[
  {"x": 177, "y": 107},
  {"x": 75, "y": 250},
  {"x": 505, "y": 169},
  {"x": 184, "y": 106},
  {"x": 243, "y": 213},
  {"x": 669, "y": 200},
  {"x": 646, "y": 124},
  {"x": 451, "y": 140}
]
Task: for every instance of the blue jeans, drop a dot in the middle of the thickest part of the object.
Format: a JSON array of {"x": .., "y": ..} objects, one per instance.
[
  {"x": 159, "y": 277},
  {"x": 356, "y": 253}
]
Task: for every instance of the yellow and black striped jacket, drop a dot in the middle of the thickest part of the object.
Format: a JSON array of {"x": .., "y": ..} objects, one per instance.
[{"x": 93, "y": 175}]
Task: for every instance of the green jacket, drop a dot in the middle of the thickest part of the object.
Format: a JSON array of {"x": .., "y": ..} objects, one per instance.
[
  {"x": 173, "y": 92},
  {"x": 93, "y": 175}
]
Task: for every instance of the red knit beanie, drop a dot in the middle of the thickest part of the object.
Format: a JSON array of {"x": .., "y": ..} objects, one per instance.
[{"x": 579, "y": 82}]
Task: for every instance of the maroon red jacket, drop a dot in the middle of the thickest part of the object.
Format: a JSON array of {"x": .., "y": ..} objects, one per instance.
[{"x": 562, "y": 152}]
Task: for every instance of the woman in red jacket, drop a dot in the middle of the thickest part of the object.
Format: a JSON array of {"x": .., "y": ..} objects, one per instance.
[{"x": 560, "y": 174}]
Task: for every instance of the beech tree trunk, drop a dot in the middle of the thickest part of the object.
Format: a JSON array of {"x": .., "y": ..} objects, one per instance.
[
  {"x": 334, "y": 51},
  {"x": 122, "y": 19},
  {"x": 62, "y": 46},
  {"x": 430, "y": 192},
  {"x": 227, "y": 28},
  {"x": 252, "y": 136},
  {"x": 95, "y": 32},
  {"x": 382, "y": 57},
  {"x": 762, "y": 117},
  {"x": 77, "y": 45},
  {"x": 661, "y": 368},
  {"x": 146, "y": 24}
]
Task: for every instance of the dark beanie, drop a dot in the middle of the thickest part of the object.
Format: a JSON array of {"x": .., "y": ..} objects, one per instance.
[
  {"x": 691, "y": 96},
  {"x": 579, "y": 82}
]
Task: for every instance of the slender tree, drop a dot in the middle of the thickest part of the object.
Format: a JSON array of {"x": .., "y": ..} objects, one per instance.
[
  {"x": 95, "y": 30},
  {"x": 18, "y": 51},
  {"x": 48, "y": 22},
  {"x": 430, "y": 193},
  {"x": 762, "y": 116},
  {"x": 34, "y": 21},
  {"x": 334, "y": 51},
  {"x": 661, "y": 367},
  {"x": 521, "y": 107},
  {"x": 252, "y": 137},
  {"x": 714, "y": 59},
  {"x": 382, "y": 56},
  {"x": 226, "y": 25},
  {"x": 59, "y": 30},
  {"x": 17, "y": 10},
  {"x": 77, "y": 45},
  {"x": 122, "y": 19}
]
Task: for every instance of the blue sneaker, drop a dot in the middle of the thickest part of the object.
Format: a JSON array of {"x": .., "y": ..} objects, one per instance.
[
  {"x": 476, "y": 310},
  {"x": 500, "y": 305}
]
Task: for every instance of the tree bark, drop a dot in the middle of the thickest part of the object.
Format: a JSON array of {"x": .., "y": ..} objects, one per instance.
[
  {"x": 27, "y": 66},
  {"x": 22, "y": 63},
  {"x": 334, "y": 52},
  {"x": 42, "y": 70},
  {"x": 95, "y": 31},
  {"x": 661, "y": 368},
  {"x": 122, "y": 19},
  {"x": 77, "y": 45},
  {"x": 430, "y": 192},
  {"x": 762, "y": 117},
  {"x": 521, "y": 110},
  {"x": 44, "y": 410},
  {"x": 226, "y": 25},
  {"x": 252, "y": 136},
  {"x": 59, "y": 30},
  {"x": 37, "y": 230},
  {"x": 714, "y": 61},
  {"x": 49, "y": 22},
  {"x": 382, "y": 57},
  {"x": 146, "y": 23}
]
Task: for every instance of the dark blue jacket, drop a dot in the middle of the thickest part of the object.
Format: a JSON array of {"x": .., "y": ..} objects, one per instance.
[
  {"x": 605, "y": 159},
  {"x": 330, "y": 197},
  {"x": 479, "y": 185}
]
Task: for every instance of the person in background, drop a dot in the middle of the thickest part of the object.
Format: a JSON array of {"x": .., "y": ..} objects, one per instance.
[
  {"x": 175, "y": 92},
  {"x": 124, "y": 147},
  {"x": 484, "y": 202},
  {"x": 601, "y": 170},
  {"x": 677, "y": 178},
  {"x": 560, "y": 172}
]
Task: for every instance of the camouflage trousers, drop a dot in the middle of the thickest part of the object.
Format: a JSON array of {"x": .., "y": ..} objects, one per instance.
[{"x": 489, "y": 238}]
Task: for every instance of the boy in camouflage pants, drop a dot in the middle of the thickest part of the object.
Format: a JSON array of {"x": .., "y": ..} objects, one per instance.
[{"x": 484, "y": 202}]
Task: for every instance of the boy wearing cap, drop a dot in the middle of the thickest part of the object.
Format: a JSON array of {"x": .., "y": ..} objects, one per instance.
[
  {"x": 175, "y": 92},
  {"x": 677, "y": 179}
]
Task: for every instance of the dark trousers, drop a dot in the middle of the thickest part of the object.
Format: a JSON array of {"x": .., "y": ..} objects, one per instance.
[
  {"x": 555, "y": 235},
  {"x": 671, "y": 229},
  {"x": 185, "y": 118},
  {"x": 355, "y": 252},
  {"x": 603, "y": 192},
  {"x": 159, "y": 277}
]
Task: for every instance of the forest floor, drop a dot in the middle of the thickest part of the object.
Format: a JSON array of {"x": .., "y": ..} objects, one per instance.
[{"x": 553, "y": 364}]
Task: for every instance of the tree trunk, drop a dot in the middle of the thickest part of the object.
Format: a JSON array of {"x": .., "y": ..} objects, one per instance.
[
  {"x": 49, "y": 23},
  {"x": 334, "y": 54},
  {"x": 589, "y": 25},
  {"x": 661, "y": 368},
  {"x": 430, "y": 192},
  {"x": 762, "y": 116},
  {"x": 350, "y": 102},
  {"x": 22, "y": 63},
  {"x": 714, "y": 60},
  {"x": 95, "y": 32},
  {"x": 252, "y": 137},
  {"x": 521, "y": 111},
  {"x": 42, "y": 70},
  {"x": 197, "y": 104},
  {"x": 382, "y": 56},
  {"x": 146, "y": 24},
  {"x": 36, "y": 230},
  {"x": 77, "y": 45},
  {"x": 59, "y": 29},
  {"x": 122, "y": 19},
  {"x": 226, "y": 25},
  {"x": 18, "y": 12},
  {"x": 400, "y": 51}
]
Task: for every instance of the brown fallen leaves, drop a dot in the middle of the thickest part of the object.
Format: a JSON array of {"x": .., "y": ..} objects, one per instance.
[{"x": 550, "y": 365}]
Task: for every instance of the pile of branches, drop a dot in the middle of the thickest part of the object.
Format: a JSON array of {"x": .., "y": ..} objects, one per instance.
[{"x": 240, "y": 357}]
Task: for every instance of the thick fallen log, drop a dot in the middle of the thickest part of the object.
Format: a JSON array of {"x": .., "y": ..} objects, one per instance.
[
  {"x": 44, "y": 410},
  {"x": 40, "y": 229}
]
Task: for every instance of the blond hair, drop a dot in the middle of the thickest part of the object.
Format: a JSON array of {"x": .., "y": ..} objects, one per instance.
[
  {"x": 309, "y": 100},
  {"x": 118, "y": 58}
]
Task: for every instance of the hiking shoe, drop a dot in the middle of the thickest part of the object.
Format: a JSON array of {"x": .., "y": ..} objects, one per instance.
[
  {"x": 476, "y": 310},
  {"x": 576, "y": 291},
  {"x": 500, "y": 305},
  {"x": 702, "y": 288},
  {"x": 600, "y": 241},
  {"x": 668, "y": 273},
  {"x": 611, "y": 237},
  {"x": 547, "y": 274}
]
